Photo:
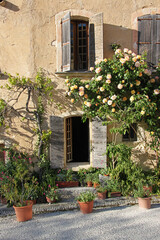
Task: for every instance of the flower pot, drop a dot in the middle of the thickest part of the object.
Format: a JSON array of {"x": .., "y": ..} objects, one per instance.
[
  {"x": 64, "y": 184},
  {"x": 144, "y": 202},
  {"x": 115, "y": 194},
  {"x": 50, "y": 201},
  {"x": 2, "y": 3},
  {"x": 23, "y": 213},
  {"x": 89, "y": 184},
  {"x": 96, "y": 185},
  {"x": 86, "y": 207},
  {"x": 102, "y": 195}
]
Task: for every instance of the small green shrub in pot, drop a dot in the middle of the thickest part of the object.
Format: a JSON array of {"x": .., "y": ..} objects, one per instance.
[
  {"x": 87, "y": 196},
  {"x": 89, "y": 177},
  {"x": 141, "y": 192},
  {"x": 101, "y": 189},
  {"x": 53, "y": 194}
]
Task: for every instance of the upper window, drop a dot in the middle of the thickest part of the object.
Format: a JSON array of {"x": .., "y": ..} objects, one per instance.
[
  {"x": 79, "y": 40},
  {"x": 149, "y": 38},
  {"x": 79, "y": 45}
]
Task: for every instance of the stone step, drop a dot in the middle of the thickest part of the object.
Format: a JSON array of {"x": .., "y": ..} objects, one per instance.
[{"x": 69, "y": 194}]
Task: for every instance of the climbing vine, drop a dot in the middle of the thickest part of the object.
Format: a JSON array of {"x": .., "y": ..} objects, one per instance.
[{"x": 38, "y": 92}]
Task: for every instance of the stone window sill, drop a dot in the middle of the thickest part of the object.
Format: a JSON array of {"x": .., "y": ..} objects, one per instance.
[{"x": 78, "y": 74}]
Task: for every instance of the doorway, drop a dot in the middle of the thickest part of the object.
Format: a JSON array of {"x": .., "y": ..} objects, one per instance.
[{"x": 77, "y": 140}]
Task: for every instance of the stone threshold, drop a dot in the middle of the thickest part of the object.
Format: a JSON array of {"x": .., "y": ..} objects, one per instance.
[{"x": 66, "y": 206}]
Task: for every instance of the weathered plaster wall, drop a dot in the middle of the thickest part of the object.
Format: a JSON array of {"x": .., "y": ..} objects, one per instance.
[{"x": 28, "y": 40}]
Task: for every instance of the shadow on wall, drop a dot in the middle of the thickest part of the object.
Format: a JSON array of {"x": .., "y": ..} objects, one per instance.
[
  {"x": 117, "y": 34},
  {"x": 11, "y": 6}
]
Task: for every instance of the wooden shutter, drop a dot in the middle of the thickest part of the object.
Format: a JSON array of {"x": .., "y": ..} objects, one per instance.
[
  {"x": 145, "y": 27},
  {"x": 99, "y": 143},
  {"x": 157, "y": 39},
  {"x": 57, "y": 142},
  {"x": 66, "y": 42},
  {"x": 149, "y": 37},
  {"x": 95, "y": 38}
]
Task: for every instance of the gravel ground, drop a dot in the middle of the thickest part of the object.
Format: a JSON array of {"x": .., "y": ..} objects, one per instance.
[{"x": 129, "y": 223}]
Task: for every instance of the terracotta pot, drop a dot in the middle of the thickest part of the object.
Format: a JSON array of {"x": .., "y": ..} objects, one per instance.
[
  {"x": 89, "y": 184},
  {"x": 62, "y": 184},
  {"x": 96, "y": 185},
  {"x": 86, "y": 207},
  {"x": 102, "y": 195},
  {"x": 50, "y": 201},
  {"x": 23, "y": 213},
  {"x": 115, "y": 194},
  {"x": 144, "y": 202}
]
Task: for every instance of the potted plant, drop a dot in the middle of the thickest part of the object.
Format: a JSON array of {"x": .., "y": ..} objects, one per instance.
[
  {"x": 66, "y": 178},
  {"x": 101, "y": 192},
  {"x": 95, "y": 180},
  {"x": 114, "y": 187},
  {"x": 18, "y": 189},
  {"x": 85, "y": 201},
  {"x": 144, "y": 199},
  {"x": 88, "y": 179},
  {"x": 52, "y": 195}
]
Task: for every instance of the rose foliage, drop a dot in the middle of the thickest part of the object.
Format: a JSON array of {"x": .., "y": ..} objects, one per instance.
[{"x": 123, "y": 91}]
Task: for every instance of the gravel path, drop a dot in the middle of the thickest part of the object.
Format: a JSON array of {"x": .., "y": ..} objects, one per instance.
[{"x": 129, "y": 223}]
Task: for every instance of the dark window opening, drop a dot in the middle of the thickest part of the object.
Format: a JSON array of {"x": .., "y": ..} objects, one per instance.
[
  {"x": 131, "y": 134},
  {"x": 77, "y": 140},
  {"x": 79, "y": 45}
]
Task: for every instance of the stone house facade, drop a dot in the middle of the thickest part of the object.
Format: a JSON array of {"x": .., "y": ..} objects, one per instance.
[{"x": 65, "y": 37}]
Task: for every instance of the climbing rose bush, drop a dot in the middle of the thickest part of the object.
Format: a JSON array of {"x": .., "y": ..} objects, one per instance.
[{"x": 123, "y": 90}]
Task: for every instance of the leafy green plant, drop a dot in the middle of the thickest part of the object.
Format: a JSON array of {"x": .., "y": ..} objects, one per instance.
[
  {"x": 87, "y": 196},
  {"x": 89, "y": 177},
  {"x": 113, "y": 185},
  {"x": 95, "y": 178},
  {"x": 141, "y": 192},
  {"x": 66, "y": 175},
  {"x": 101, "y": 189},
  {"x": 53, "y": 194}
]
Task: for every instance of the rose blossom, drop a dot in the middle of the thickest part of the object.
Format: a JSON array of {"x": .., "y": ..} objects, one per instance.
[
  {"x": 131, "y": 99},
  {"x": 99, "y": 97},
  {"x": 129, "y": 52},
  {"x": 101, "y": 89},
  {"x": 109, "y": 76},
  {"x": 109, "y": 102},
  {"x": 81, "y": 93},
  {"x": 98, "y": 70},
  {"x": 104, "y": 100},
  {"x": 142, "y": 112},
  {"x": 137, "y": 64},
  {"x": 152, "y": 80},
  {"x": 124, "y": 99},
  {"x": 72, "y": 100},
  {"x": 113, "y": 97},
  {"x": 122, "y": 60},
  {"x": 108, "y": 81},
  {"x": 81, "y": 88},
  {"x": 133, "y": 92},
  {"x": 120, "y": 86},
  {"x": 125, "y": 50},
  {"x": 88, "y": 104},
  {"x": 99, "y": 78},
  {"x": 138, "y": 83},
  {"x": 69, "y": 93},
  {"x": 118, "y": 51},
  {"x": 156, "y": 91},
  {"x": 134, "y": 59},
  {"x": 87, "y": 86},
  {"x": 91, "y": 69},
  {"x": 113, "y": 109}
]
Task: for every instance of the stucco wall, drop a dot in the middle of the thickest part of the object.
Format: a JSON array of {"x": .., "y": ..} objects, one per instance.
[{"x": 28, "y": 40}]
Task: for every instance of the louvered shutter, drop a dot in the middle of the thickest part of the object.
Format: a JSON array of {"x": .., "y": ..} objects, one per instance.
[
  {"x": 149, "y": 37},
  {"x": 57, "y": 142},
  {"x": 95, "y": 38},
  {"x": 157, "y": 39},
  {"x": 66, "y": 42},
  {"x": 99, "y": 143},
  {"x": 145, "y": 32}
]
